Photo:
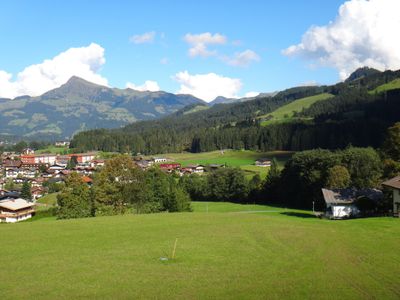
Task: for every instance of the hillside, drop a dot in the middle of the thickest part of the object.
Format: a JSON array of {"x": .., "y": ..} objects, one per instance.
[
  {"x": 287, "y": 112},
  {"x": 79, "y": 105},
  {"x": 224, "y": 251},
  {"x": 330, "y": 117}
]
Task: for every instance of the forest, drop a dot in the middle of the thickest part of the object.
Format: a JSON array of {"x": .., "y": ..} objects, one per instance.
[{"x": 357, "y": 115}]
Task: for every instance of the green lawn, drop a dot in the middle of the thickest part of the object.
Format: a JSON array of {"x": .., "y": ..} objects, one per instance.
[
  {"x": 230, "y": 255},
  {"x": 234, "y": 158},
  {"x": 394, "y": 84},
  {"x": 285, "y": 113}
]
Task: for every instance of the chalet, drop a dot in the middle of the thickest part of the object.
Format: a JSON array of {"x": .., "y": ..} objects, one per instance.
[
  {"x": 341, "y": 203},
  {"x": 87, "y": 180},
  {"x": 195, "y": 168},
  {"x": 37, "y": 192},
  {"x": 28, "y": 151},
  {"x": 11, "y": 164},
  {"x": 394, "y": 185},
  {"x": 144, "y": 164},
  {"x": 159, "y": 159},
  {"x": 263, "y": 162},
  {"x": 170, "y": 167},
  {"x": 61, "y": 144},
  {"x": 56, "y": 168},
  {"x": 97, "y": 163},
  {"x": 15, "y": 210}
]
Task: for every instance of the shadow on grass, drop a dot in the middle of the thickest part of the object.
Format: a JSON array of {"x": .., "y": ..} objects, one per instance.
[{"x": 299, "y": 215}]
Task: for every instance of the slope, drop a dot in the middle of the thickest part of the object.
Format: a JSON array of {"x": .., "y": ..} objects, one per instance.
[{"x": 287, "y": 112}]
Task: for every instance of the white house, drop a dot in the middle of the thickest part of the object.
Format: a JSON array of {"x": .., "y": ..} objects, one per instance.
[
  {"x": 394, "y": 185},
  {"x": 342, "y": 203},
  {"x": 159, "y": 159},
  {"x": 263, "y": 162},
  {"x": 15, "y": 210}
]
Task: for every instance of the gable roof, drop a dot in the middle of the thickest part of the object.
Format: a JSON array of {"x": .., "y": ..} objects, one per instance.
[
  {"x": 15, "y": 204},
  {"x": 393, "y": 183},
  {"x": 348, "y": 196}
]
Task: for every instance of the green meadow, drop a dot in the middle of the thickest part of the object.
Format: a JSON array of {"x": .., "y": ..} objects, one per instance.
[
  {"x": 394, "y": 84},
  {"x": 223, "y": 251},
  {"x": 285, "y": 113},
  {"x": 243, "y": 159}
]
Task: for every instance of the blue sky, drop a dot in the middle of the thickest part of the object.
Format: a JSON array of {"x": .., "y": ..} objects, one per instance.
[{"x": 246, "y": 41}]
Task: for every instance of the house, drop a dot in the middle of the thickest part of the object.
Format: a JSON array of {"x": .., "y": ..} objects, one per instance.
[
  {"x": 144, "y": 164},
  {"x": 214, "y": 167},
  {"x": 195, "y": 168},
  {"x": 87, "y": 180},
  {"x": 61, "y": 144},
  {"x": 159, "y": 159},
  {"x": 37, "y": 192},
  {"x": 263, "y": 162},
  {"x": 170, "y": 167},
  {"x": 56, "y": 168},
  {"x": 342, "y": 203},
  {"x": 39, "y": 159},
  {"x": 28, "y": 151},
  {"x": 394, "y": 185},
  {"x": 15, "y": 210},
  {"x": 83, "y": 157}
]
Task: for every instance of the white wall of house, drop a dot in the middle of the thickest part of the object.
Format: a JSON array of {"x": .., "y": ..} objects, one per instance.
[
  {"x": 18, "y": 219},
  {"x": 344, "y": 211},
  {"x": 396, "y": 201}
]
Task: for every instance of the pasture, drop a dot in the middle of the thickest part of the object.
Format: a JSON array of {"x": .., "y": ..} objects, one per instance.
[
  {"x": 231, "y": 252},
  {"x": 243, "y": 159},
  {"x": 285, "y": 113}
]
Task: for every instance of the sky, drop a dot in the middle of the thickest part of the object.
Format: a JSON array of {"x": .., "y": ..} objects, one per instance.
[{"x": 204, "y": 48}]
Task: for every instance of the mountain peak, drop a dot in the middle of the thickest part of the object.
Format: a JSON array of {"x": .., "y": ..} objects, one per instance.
[{"x": 361, "y": 73}]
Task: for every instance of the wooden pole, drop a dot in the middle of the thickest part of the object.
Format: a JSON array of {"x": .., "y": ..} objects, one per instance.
[{"x": 173, "y": 251}]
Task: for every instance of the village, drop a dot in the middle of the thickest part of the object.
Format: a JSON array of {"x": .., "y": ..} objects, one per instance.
[{"x": 45, "y": 173}]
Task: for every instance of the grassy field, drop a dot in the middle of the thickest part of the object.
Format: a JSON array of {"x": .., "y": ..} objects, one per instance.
[
  {"x": 54, "y": 150},
  {"x": 227, "y": 253},
  {"x": 395, "y": 84},
  {"x": 233, "y": 158},
  {"x": 285, "y": 113}
]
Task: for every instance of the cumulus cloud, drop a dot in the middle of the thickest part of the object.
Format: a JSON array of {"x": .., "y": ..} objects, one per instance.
[
  {"x": 242, "y": 59},
  {"x": 148, "y": 85},
  {"x": 364, "y": 33},
  {"x": 34, "y": 80},
  {"x": 199, "y": 43},
  {"x": 147, "y": 37},
  {"x": 208, "y": 86}
]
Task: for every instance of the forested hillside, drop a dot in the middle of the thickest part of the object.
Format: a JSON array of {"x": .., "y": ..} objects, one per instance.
[{"x": 357, "y": 114}]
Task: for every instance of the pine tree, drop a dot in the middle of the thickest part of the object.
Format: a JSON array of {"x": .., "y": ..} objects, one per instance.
[{"x": 26, "y": 191}]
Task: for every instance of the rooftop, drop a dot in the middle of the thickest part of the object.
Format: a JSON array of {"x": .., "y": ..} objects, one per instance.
[
  {"x": 15, "y": 204},
  {"x": 392, "y": 183}
]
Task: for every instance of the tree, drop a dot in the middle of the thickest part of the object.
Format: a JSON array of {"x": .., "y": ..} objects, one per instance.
[
  {"x": 338, "y": 177},
  {"x": 20, "y": 146},
  {"x": 26, "y": 191},
  {"x": 72, "y": 163},
  {"x": 118, "y": 184},
  {"x": 391, "y": 145},
  {"x": 75, "y": 200}
]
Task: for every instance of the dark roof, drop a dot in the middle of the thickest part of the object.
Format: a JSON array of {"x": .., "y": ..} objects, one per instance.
[
  {"x": 348, "y": 196},
  {"x": 392, "y": 183}
]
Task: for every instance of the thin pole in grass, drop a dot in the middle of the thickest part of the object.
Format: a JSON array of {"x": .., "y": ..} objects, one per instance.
[{"x": 173, "y": 251}]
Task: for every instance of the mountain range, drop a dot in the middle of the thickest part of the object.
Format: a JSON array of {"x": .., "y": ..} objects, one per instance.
[{"x": 79, "y": 105}]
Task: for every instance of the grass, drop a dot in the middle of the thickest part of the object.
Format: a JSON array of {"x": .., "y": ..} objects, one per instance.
[
  {"x": 219, "y": 255},
  {"x": 49, "y": 199},
  {"x": 53, "y": 150},
  {"x": 285, "y": 113},
  {"x": 243, "y": 159},
  {"x": 394, "y": 84}
]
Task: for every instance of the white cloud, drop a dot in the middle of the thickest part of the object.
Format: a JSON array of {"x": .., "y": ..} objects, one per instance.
[
  {"x": 208, "y": 86},
  {"x": 34, "y": 80},
  {"x": 251, "y": 94},
  {"x": 242, "y": 59},
  {"x": 365, "y": 33},
  {"x": 147, "y": 37},
  {"x": 200, "y": 42},
  {"x": 148, "y": 85}
]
